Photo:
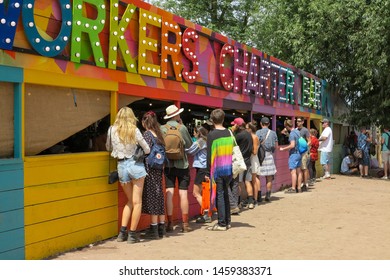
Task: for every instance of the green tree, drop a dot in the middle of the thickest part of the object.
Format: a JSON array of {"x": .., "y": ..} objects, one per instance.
[
  {"x": 231, "y": 18},
  {"x": 343, "y": 42}
]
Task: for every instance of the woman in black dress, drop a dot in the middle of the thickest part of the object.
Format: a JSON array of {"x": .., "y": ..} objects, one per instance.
[{"x": 153, "y": 202}]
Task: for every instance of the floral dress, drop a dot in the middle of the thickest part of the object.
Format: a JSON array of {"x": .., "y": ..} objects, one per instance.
[{"x": 153, "y": 195}]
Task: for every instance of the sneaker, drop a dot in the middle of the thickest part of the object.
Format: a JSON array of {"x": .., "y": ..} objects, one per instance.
[
  {"x": 251, "y": 205},
  {"x": 229, "y": 226},
  {"x": 203, "y": 219},
  {"x": 304, "y": 188},
  {"x": 217, "y": 227},
  {"x": 200, "y": 220},
  {"x": 290, "y": 190},
  {"x": 234, "y": 211},
  {"x": 122, "y": 236},
  {"x": 384, "y": 178},
  {"x": 207, "y": 219}
]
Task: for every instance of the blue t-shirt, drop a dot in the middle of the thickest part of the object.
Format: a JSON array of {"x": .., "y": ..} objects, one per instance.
[
  {"x": 294, "y": 136},
  {"x": 386, "y": 136}
]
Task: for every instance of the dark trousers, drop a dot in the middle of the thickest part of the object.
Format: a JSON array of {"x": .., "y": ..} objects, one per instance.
[
  {"x": 223, "y": 205},
  {"x": 234, "y": 192},
  {"x": 312, "y": 169}
]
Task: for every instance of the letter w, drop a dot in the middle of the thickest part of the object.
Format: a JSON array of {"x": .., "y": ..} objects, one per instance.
[{"x": 8, "y": 22}]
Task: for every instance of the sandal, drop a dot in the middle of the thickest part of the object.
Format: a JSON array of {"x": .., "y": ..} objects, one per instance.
[
  {"x": 217, "y": 227},
  {"x": 290, "y": 190}
]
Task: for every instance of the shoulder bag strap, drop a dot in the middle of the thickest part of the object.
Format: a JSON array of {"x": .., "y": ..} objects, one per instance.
[
  {"x": 268, "y": 132},
  {"x": 153, "y": 138},
  {"x": 234, "y": 138}
]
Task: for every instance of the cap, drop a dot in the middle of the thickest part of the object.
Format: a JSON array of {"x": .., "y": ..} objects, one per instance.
[
  {"x": 238, "y": 121},
  {"x": 264, "y": 120},
  {"x": 325, "y": 121}
]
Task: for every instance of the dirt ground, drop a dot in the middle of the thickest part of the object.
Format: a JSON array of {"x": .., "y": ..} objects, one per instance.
[{"x": 346, "y": 218}]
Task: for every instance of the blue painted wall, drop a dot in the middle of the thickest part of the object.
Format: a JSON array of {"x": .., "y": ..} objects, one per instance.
[
  {"x": 11, "y": 210},
  {"x": 12, "y": 244}
]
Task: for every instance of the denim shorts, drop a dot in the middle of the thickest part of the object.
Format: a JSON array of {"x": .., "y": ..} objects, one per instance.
[
  {"x": 129, "y": 169},
  {"x": 324, "y": 159},
  {"x": 294, "y": 161}
]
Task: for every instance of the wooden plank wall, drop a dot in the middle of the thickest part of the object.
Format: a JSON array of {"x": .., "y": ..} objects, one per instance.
[
  {"x": 68, "y": 203},
  {"x": 11, "y": 210}
]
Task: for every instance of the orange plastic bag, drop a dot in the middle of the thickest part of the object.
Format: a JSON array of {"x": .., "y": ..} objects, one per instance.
[{"x": 208, "y": 197}]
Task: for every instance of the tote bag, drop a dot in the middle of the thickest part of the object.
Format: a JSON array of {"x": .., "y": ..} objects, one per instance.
[{"x": 238, "y": 163}]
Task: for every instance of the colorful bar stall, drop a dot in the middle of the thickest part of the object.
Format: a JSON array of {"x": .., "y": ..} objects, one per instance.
[{"x": 66, "y": 67}]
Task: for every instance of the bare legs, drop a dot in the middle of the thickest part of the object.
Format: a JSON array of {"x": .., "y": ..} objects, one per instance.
[
  {"x": 132, "y": 209},
  {"x": 197, "y": 193},
  {"x": 256, "y": 185},
  {"x": 296, "y": 178}
]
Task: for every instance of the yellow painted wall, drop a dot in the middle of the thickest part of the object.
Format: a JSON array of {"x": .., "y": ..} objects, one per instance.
[{"x": 68, "y": 203}]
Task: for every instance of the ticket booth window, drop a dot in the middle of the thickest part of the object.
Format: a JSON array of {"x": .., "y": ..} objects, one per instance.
[{"x": 63, "y": 120}]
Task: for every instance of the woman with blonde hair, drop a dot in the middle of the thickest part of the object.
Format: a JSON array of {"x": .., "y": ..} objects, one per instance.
[{"x": 122, "y": 139}]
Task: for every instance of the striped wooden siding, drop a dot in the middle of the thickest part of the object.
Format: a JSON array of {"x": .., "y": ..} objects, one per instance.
[
  {"x": 68, "y": 203},
  {"x": 11, "y": 210}
]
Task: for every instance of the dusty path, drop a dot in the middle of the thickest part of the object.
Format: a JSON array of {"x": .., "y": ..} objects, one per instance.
[{"x": 339, "y": 219}]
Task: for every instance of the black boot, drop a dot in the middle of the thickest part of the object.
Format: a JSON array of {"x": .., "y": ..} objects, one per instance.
[
  {"x": 152, "y": 232},
  {"x": 268, "y": 196},
  {"x": 161, "y": 230},
  {"x": 133, "y": 237},
  {"x": 259, "y": 199}
]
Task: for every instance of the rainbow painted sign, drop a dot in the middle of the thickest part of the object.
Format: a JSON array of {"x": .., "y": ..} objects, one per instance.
[{"x": 125, "y": 37}]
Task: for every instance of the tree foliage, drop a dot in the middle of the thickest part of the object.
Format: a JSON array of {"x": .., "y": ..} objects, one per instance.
[{"x": 344, "y": 42}]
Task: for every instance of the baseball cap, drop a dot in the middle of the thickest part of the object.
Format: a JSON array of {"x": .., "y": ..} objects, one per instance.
[
  {"x": 264, "y": 120},
  {"x": 238, "y": 121},
  {"x": 325, "y": 121}
]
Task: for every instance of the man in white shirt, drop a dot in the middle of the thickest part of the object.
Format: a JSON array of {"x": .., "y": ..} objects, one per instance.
[
  {"x": 326, "y": 147},
  {"x": 349, "y": 165}
]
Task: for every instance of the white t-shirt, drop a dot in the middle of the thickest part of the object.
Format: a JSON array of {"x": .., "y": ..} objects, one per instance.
[
  {"x": 327, "y": 145},
  {"x": 344, "y": 164}
]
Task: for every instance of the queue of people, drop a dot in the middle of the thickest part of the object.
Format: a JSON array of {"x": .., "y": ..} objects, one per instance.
[{"x": 212, "y": 148}]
